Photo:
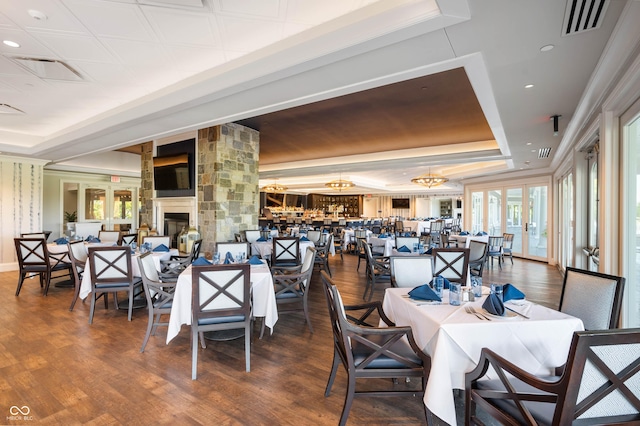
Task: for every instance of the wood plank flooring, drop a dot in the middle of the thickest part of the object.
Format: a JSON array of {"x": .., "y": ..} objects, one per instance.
[{"x": 69, "y": 372}]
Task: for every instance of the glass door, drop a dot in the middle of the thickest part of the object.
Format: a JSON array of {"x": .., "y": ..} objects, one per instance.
[
  {"x": 536, "y": 225},
  {"x": 113, "y": 206},
  {"x": 630, "y": 234},
  {"x": 514, "y": 218},
  {"x": 566, "y": 221}
]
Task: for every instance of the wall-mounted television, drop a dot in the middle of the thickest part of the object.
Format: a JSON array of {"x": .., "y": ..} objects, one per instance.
[
  {"x": 400, "y": 203},
  {"x": 172, "y": 172}
]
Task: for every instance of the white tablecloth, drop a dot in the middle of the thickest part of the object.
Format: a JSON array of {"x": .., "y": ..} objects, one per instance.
[
  {"x": 85, "y": 285},
  {"x": 454, "y": 340},
  {"x": 349, "y": 237},
  {"x": 389, "y": 243},
  {"x": 265, "y": 248},
  {"x": 262, "y": 294},
  {"x": 417, "y": 226}
]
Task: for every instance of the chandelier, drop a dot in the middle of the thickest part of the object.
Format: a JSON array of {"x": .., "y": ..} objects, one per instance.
[
  {"x": 274, "y": 187},
  {"x": 429, "y": 180},
  {"x": 340, "y": 184}
]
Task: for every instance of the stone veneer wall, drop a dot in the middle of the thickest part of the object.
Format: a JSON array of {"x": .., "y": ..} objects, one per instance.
[
  {"x": 146, "y": 184},
  {"x": 228, "y": 193}
]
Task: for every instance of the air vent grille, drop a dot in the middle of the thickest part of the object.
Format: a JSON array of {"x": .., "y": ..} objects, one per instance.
[
  {"x": 583, "y": 15},
  {"x": 49, "y": 69},
  {"x": 544, "y": 152}
]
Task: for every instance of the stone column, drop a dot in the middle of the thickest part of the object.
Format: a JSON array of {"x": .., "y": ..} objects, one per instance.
[
  {"x": 228, "y": 193},
  {"x": 146, "y": 184}
]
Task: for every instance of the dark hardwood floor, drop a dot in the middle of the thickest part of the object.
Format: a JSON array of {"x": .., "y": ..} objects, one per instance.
[{"x": 69, "y": 372}]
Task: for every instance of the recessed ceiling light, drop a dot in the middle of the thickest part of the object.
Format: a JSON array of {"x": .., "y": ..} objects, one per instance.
[
  {"x": 528, "y": 143},
  {"x": 547, "y": 48},
  {"x": 528, "y": 86},
  {"x": 37, "y": 15},
  {"x": 533, "y": 150},
  {"x": 11, "y": 43}
]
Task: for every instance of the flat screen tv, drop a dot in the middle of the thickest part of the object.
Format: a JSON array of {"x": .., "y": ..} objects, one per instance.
[
  {"x": 400, "y": 203},
  {"x": 171, "y": 172}
]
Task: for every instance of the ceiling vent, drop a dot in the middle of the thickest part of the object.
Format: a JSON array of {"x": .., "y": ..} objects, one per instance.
[
  {"x": 544, "y": 152},
  {"x": 8, "y": 109},
  {"x": 49, "y": 69},
  {"x": 583, "y": 15}
]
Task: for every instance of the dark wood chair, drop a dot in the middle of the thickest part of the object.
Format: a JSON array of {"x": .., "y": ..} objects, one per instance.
[
  {"x": 369, "y": 352},
  {"x": 451, "y": 263},
  {"x": 594, "y": 297},
  {"x": 171, "y": 268},
  {"x": 595, "y": 387},
  {"x": 477, "y": 257},
  {"x": 220, "y": 301},
  {"x": 286, "y": 251},
  {"x": 34, "y": 259},
  {"x": 507, "y": 246},
  {"x": 78, "y": 256},
  {"x": 111, "y": 273},
  {"x": 494, "y": 250},
  {"x": 378, "y": 268},
  {"x": 292, "y": 288},
  {"x": 321, "y": 258},
  {"x": 159, "y": 295},
  {"x": 128, "y": 239}
]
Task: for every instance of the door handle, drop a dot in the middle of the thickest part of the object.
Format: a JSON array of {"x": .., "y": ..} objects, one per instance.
[{"x": 526, "y": 227}]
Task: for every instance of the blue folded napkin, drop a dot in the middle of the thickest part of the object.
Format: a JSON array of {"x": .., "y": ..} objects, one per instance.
[
  {"x": 304, "y": 239},
  {"x": 493, "y": 305},
  {"x": 464, "y": 233},
  {"x": 446, "y": 283},
  {"x": 404, "y": 249},
  {"x": 201, "y": 261},
  {"x": 61, "y": 241},
  {"x": 228, "y": 258},
  {"x": 325, "y": 231},
  {"x": 382, "y": 236},
  {"x": 261, "y": 239},
  {"x": 424, "y": 292},
  {"x": 92, "y": 239},
  {"x": 161, "y": 247},
  {"x": 480, "y": 234},
  {"x": 255, "y": 260},
  {"x": 511, "y": 292},
  {"x": 407, "y": 234},
  {"x": 430, "y": 251}
]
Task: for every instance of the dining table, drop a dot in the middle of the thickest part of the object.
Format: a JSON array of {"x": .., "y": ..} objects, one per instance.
[
  {"x": 349, "y": 237},
  {"x": 384, "y": 245},
  {"x": 454, "y": 338},
  {"x": 464, "y": 240},
  {"x": 263, "y": 299}
]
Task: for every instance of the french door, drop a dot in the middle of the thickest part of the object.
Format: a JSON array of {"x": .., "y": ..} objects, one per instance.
[
  {"x": 525, "y": 209},
  {"x": 114, "y": 206}
]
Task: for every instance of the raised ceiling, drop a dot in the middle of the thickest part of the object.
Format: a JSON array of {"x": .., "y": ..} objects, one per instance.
[{"x": 336, "y": 70}]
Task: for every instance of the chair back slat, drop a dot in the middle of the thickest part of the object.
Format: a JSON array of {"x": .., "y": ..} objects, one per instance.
[
  {"x": 286, "y": 250},
  {"x": 31, "y": 251},
  {"x": 410, "y": 271},
  {"x": 110, "y": 264},
  {"x": 451, "y": 263},
  {"x": 220, "y": 290}
]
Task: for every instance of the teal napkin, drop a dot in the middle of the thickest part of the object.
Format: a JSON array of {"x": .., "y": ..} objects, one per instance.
[
  {"x": 493, "y": 305},
  {"x": 261, "y": 239},
  {"x": 511, "y": 292},
  {"x": 92, "y": 239},
  {"x": 304, "y": 239},
  {"x": 161, "y": 247},
  {"x": 424, "y": 292},
  {"x": 404, "y": 249},
  {"x": 201, "y": 261},
  {"x": 61, "y": 241},
  {"x": 255, "y": 260}
]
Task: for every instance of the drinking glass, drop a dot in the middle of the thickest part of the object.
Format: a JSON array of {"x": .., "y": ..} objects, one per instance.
[
  {"x": 455, "y": 294},
  {"x": 497, "y": 290},
  {"x": 216, "y": 258},
  {"x": 438, "y": 285},
  {"x": 476, "y": 285}
]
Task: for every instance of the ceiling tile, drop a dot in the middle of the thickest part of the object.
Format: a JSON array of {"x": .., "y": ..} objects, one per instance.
[
  {"x": 247, "y": 35},
  {"x": 29, "y": 46},
  {"x": 179, "y": 27},
  {"x": 177, "y": 3},
  {"x": 314, "y": 12},
  {"x": 262, "y": 8},
  {"x": 100, "y": 16},
  {"x": 58, "y": 18},
  {"x": 194, "y": 60},
  {"x": 75, "y": 47}
]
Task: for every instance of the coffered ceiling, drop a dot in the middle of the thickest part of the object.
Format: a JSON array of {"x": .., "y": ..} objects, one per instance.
[{"x": 376, "y": 91}]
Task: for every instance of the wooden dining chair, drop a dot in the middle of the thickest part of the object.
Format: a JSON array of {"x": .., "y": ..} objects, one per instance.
[
  {"x": 286, "y": 251},
  {"x": 378, "y": 269},
  {"x": 477, "y": 257},
  {"x": 176, "y": 264},
  {"x": 580, "y": 288},
  {"x": 159, "y": 295},
  {"x": 128, "y": 239},
  {"x": 507, "y": 246},
  {"x": 220, "y": 301},
  {"x": 112, "y": 237},
  {"x": 292, "y": 288},
  {"x": 367, "y": 351},
  {"x": 598, "y": 385},
  {"x": 78, "y": 256},
  {"x": 321, "y": 258},
  {"x": 451, "y": 263},
  {"x": 410, "y": 271},
  {"x": 111, "y": 273},
  {"x": 494, "y": 250},
  {"x": 34, "y": 259},
  {"x": 157, "y": 240}
]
